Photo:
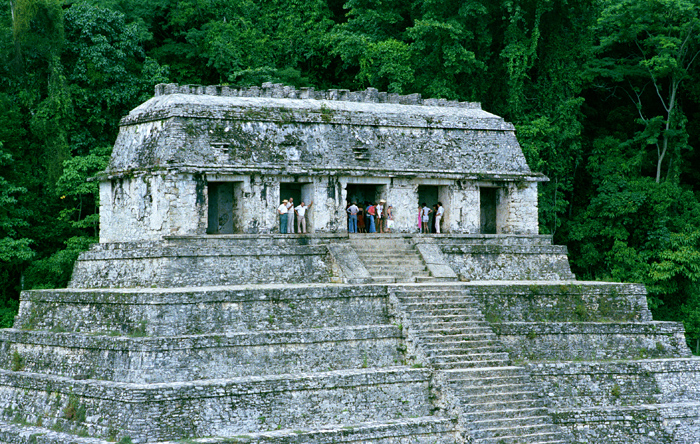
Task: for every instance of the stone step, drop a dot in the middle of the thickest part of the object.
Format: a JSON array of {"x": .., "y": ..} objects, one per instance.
[
  {"x": 428, "y": 307},
  {"x": 447, "y": 330},
  {"x": 455, "y": 325},
  {"x": 505, "y": 414},
  {"x": 507, "y": 437},
  {"x": 449, "y": 359},
  {"x": 512, "y": 422},
  {"x": 489, "y": 381},
  {"x": 513, "y": 428},
  {"x": 432, "y": 339},
  {"x": 473, "y": 318},
  {"x": 495, "y": 372},
  {"x": 463, "y": 351},
  {"x": 408, "y": 261},
  {"x": 494, "y": 409},
  {"x": 390, "y": 279},
  {"x": 420, "y": 310},
  {"x": 428, "y": 279},
  {"x": 471, "y": 364},
  {"x": 439, "y": 298},
  {"x": 384, "y": 256},
  {"x": 407, "y": 270},
  {"x": 496, "y": 397}
]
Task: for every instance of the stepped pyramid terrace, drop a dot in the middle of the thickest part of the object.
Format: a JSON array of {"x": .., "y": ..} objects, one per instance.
[{"x": 194, "y": 320}]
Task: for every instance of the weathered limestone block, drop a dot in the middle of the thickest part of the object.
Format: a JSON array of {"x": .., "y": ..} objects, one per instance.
[
  {"x": 182, "y": 311},
  {"x": 463, "y": 208},
  {"x": 403, "y": 197},
  {"x": 226, "y": 407},
  {"x": 557, "y": 341},
  {"x": 212, "y": 262},
  {"x": 569, "y": 302},
  {"x": 148, "y": 206},
  {"x": 195, "y": 357}
]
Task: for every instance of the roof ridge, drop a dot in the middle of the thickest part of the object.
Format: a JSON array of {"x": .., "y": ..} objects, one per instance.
[{"x": 282, "y": 91}]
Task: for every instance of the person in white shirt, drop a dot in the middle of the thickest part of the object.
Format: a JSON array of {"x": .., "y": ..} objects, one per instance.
[
  {"x": 352, "y": 218},
  {"x": 301, "y": 216},
  {"x": 290, "y": 216},
  {"x": 282, "y": 211},
  {"x": 425, "y": 217},
  {"x": 380, "y": 216},
  {"x": 438, "y": 217}
]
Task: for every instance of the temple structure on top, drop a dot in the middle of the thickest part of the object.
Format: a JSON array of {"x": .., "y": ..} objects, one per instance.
[{"x": 199, "y": 160}]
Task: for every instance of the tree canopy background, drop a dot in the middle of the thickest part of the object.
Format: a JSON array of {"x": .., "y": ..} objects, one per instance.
[{"x": 605, "y": 96}]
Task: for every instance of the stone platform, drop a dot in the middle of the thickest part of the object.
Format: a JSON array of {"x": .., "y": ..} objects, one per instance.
[{"x": 391, "y": 348}]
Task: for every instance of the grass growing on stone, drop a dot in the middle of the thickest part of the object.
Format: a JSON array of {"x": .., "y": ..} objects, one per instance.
[{"x": 17, "y": 361}]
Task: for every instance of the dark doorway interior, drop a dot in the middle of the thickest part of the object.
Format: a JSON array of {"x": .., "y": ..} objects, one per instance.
[
  {"x": 224, "y": 200},
  {"x": 291, "y": 190},
  {"x": 428, "y": 194},
  {"x": 363, "y": 193},
  {"x": 489, "y": 202}
]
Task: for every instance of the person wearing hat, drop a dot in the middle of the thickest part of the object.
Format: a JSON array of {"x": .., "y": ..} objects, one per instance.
[
  {"x": 282, "y": 212},
  {"x": 380, "y": 216}
]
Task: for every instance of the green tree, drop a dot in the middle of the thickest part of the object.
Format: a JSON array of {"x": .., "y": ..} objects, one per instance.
[{"x": 647, "y": 49}]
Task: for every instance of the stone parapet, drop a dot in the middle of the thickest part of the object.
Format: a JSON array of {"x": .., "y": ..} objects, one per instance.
[{"x": 566, "y": 341}]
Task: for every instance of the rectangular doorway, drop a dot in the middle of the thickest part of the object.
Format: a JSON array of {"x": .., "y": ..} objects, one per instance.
[
  {"x": 298, "y": 192},
  {"x": 224, "y": 207},
  {"x": 488, "y": 204},
  {"x": 428, "y": 194}
]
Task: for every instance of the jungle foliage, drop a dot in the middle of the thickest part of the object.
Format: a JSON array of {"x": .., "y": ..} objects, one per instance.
[{"x": 605, "y": 95}]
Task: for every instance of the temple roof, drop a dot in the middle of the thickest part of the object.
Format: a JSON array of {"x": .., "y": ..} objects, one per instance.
[{"x": 304, "y": 131}]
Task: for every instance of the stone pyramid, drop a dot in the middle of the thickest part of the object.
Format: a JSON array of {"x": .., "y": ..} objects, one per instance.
[{"x": 184, "y": 332}]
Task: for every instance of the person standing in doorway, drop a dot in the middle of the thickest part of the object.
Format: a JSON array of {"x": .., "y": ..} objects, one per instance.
[
  {"x": 361, "y": 219},
  {"x": 389, "y": 218},
  {"x": 352, "y": 218},
  {"x": 301, "y": 216},
  {"x": 425, "y": 217},
  {"x": 420, "y": 218},
  {"x": 371, "y": 212},
  {"x": 380, "y": 216},
  {"x": 282, "y": 212},
  {"x": 290, "y": 216},
  {"x": 438, "y": 216}
]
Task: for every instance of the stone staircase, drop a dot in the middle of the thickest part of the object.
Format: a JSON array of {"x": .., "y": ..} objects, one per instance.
[
  {"x": 390, "y": 259},
  {"x": 498, "y": 402}
]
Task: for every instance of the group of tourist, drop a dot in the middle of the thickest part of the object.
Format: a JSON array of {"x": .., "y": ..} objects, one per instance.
[
  {"x": 367, "y": 218},
  {"x": 370, "y": 218},
  {"x": 429, "y": 219},
  {"x": 287, "y": 211}
]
